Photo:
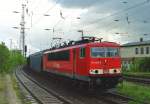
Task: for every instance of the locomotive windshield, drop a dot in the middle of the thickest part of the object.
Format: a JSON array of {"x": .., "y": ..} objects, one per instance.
[{"x": 104, "y": 52}]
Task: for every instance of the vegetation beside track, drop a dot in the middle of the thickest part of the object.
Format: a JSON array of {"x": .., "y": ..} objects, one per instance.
[
  {"x": 9, "y": 59},
  {"x": 138, "y": 92},
  {"x": 5, "y": 90},
  {"x": 139, "y": 65},
  {"x": 3, "y": 97},
  {"x": 137, "y": 74}
]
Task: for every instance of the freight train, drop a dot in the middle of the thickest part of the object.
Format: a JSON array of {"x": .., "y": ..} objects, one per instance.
[{"x": 89, "y": 60}]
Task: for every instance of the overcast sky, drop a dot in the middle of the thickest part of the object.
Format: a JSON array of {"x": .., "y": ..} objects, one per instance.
[{"x": 119, "y": 21}]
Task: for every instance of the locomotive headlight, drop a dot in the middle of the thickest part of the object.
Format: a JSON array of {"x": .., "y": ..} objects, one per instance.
[
  {"x": 111, "y": 71},
  {"x": 114, "y": 71},
  {"x": 96, "y": 71},
  {"x": 118, "y": 70}
]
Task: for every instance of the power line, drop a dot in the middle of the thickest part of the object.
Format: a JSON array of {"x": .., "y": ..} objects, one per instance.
[
  {"x": 40, "y": 18},
  {"x": 121, "y": 11},
  {"x": 37, "y": 4},
  {"x": 117, "y": 20}
]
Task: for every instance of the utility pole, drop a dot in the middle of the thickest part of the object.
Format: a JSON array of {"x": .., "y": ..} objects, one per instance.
[
  {"x": 11, "y": 44},
  {"x": 22, "y": 31}
]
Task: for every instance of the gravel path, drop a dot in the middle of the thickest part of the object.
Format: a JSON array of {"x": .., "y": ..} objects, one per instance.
[{"x": 11, "y": 95}]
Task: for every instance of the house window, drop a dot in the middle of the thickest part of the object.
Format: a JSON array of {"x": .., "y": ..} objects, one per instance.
[
  {"x": 147, "y": 50},
  {"x": 142, "y": 50},
  {"x": 136, "y": 51},
  {"x": 82, "y": 52}
]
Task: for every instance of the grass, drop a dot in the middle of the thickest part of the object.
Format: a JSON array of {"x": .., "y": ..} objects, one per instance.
[
  {"x": 3, "y": 96},
  {"x": 3, "y": 90},
  {"x": 138, "y": 74},
  {"x": 138, "y": 92}
]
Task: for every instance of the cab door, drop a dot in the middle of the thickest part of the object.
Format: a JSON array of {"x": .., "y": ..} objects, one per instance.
[
  {"x": 74, "y": 62},
  {"x": 82, "y": 61}
]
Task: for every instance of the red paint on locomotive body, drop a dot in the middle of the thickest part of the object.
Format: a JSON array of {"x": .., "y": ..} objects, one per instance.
[{"x": 85, "y": 61}]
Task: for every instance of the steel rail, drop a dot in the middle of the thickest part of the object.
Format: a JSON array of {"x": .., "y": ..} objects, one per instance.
[{"x": 39, "y": 93}]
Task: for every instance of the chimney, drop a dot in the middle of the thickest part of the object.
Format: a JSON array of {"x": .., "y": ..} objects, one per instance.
[{"x": 141, "y": 39}]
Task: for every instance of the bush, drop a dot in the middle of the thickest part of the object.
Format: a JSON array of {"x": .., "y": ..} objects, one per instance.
[
  {"x": 15, "y": 59},
  {"x": 141, "y": 65},
  {"x": 9, "y": 59},
  {"x": 144, "y": 64},
  {"x": 4, "y": 56}
]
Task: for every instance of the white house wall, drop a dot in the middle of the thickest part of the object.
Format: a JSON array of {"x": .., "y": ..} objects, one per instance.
[{"x": 129, "y": 52}]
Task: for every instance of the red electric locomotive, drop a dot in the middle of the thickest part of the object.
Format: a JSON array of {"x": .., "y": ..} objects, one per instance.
[{"x": 88, "y": 60}]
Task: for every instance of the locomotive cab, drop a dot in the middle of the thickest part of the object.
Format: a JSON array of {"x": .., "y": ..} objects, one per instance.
[
  {"x": 104, "y": 61},
  {"x": 104, "y": 65},
  {"x": 100, "y": 61}
]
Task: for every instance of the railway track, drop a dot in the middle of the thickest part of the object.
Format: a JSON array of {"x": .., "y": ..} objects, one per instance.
[
  {"x": 145, "y": 81},
  {"x": 43, "y": 92},
  {"x": 126, "y": 98},
  {"x": 42, "y": 95}
]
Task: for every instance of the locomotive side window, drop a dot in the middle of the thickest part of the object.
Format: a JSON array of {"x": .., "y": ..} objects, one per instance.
[
  {"x": 82, "y": 52},
  {"x": 58, "y": 56}
]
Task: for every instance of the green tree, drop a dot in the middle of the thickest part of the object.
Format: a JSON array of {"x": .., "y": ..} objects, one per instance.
[
  {"x": 10, "y": 59},
  {"x": 16, "y": 58},
  {"x": 4, "y": 56}
]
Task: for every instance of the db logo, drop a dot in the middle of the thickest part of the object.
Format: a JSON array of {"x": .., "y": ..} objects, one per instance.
[{"x": 57, "y": 65}]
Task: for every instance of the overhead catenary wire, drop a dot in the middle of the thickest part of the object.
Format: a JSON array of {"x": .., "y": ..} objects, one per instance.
[
  {"x": 127, "y": 17},
  {"x": 134, "y": 6},
  {"x": 40, "y": 18},
  {"x": 129, "y": 20},
  {"x": 119, "y": 12},
  {"x": 36, "y": 4}
]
